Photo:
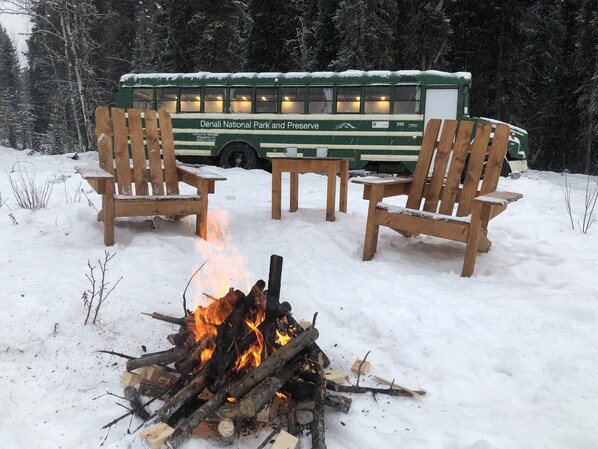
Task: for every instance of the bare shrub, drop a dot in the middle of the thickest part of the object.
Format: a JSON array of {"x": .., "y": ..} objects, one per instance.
[
  {"x": 76, "y": 197},
  {"x": 98, "y": 292},
  {"x": 28, "y": 193},
  {"x": 590, "y": 214}
]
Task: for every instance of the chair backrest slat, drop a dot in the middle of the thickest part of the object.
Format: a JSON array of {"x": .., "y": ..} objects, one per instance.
[
  {"x": 172, "y": 182},
  {"x": 453, "y": 179},
  {"x": 498, "y": 151},
  {"x": 424, "y": 160},
  {"x": 153, "y": 150},
  {"x": 474, "y": 168},
  {"x": 105, "y": 136},
  {"x": 441, "y": 160},
  {"x": 138, "y": 152},
  {"x": 121, "y": 151}
]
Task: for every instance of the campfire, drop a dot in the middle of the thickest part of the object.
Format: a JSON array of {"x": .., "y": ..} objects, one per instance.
[{"x": 241, "y": 359}]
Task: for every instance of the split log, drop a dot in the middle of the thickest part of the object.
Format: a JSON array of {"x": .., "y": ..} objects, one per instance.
[
  {"x": 162, "y": 357},
  {"x": 241, "y": 387},
  {"x": 226, "y": 431},
  {"x": 146, "y": 388},
  {"x": 133, "y": 397}
]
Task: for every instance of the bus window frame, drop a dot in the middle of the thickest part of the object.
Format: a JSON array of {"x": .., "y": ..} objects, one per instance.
[
  {"x": 360, "y": 109},
  {"x": 152, "y": 101},
  {"x": 305, "y": 98},
  {"x": 332, "y": 100},
  {"x": 418, "y": 101},
  {"x": 229, "y": 100},
  {"x": 363, "y": 99},
  {"x": 224, "y": 98},
  {"x": 276, "y": 103},
  {"x": 201, "y": 99}
]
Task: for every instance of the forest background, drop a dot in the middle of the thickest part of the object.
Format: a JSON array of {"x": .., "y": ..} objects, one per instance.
[{"x": 534, "y": 63}]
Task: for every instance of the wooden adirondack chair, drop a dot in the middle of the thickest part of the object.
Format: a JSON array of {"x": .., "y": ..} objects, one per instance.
[
  {"x": 451, "y": 209},
  {"x": 124, "y": 182}
]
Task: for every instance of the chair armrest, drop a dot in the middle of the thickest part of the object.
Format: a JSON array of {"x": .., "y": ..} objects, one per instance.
[
  {"x": 389, "y": 186},
  {"x": 91, "y": 173},
  {"x": 193, "y": 176},
  {"x": 498, "y": 198}
]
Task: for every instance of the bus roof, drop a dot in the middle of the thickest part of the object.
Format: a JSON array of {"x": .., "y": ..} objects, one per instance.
[{"x": 292, "y": 78}]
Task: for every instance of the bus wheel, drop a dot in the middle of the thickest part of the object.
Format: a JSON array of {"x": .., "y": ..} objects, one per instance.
[{"x": 238, "y": 154}]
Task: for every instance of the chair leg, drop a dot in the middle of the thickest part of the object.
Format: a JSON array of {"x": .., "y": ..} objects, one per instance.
[
  {"x": 370, "y": 243},
  {"x": 473, "y": 238},
  {"x": 108, "y": 215},
  {"x": 201, "y": 222}
]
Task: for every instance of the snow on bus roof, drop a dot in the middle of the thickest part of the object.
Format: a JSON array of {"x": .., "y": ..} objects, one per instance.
[{"x": 131, "y": 77}]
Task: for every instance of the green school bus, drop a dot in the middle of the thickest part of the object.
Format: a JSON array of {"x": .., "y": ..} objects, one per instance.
[{"x": 375, "y": 117}]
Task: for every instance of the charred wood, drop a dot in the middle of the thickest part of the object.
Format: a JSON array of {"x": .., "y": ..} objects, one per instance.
[
  {"x": 162, "y": 357},
  {"x": 136, "y": 405}
]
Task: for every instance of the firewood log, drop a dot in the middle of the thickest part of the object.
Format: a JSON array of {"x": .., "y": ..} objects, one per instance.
[{"x": 162, "y": 357}]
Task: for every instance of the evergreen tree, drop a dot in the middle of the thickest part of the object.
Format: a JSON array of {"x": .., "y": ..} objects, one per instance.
[
  {"x": 487, "y": 42},
  {"x": 543, "y": 62},
  {"x": 9, "y": 91},
  {"x": 272, "y": 41},
  {"x": 326, "y": 46},
  {"x": 146, "y": 47},
  {"x": 586, "y": 59},
  {"x": 366, "y": 34},
  {"x": 218, "y": 46},
  {"x": 423, "y": 35}
]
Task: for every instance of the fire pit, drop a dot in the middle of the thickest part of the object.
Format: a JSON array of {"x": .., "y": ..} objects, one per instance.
[{"x": 233, "y": 361}]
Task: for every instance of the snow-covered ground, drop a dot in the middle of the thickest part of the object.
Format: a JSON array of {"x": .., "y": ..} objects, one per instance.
[{"x": 508, "y": 358}]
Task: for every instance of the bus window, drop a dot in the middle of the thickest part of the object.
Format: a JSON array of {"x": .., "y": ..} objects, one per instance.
[
  {"x": 266, "y": 100},
  {"x": 213, "y": 99},
  {"x": 348, "y": 99},
  {"x": 320, "y": 100},
  {"x": 143, "y": 98},
  {"x": 376, "y": 99},
  {"x": 190, "y": 99},
  {"x": 166, "y": 99},
  {"x": 240, "y": 99},
  {"x": 293, "y": 100},
  {"x": 406, "y": 99}
]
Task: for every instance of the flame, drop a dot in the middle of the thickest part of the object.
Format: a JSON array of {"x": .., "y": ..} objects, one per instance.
[
  {"x": 282, "y": 338},
  {"x": 253, "y": 356},
  {"x": 224, "y": 264}
]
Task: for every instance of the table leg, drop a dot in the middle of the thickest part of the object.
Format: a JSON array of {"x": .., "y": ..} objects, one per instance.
[
  {"x": 276, "y": 192},
  {"x": 294, "y": 191},
  {"x": 331, "y": 194},
  {"x": 344, "y": 186}
]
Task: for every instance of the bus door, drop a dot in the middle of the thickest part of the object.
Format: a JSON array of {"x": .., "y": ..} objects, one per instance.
[{"x": 442, "y": 104}]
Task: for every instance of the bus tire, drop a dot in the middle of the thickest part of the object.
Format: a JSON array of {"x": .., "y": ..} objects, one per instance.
[{"x": 238, "y": 154}]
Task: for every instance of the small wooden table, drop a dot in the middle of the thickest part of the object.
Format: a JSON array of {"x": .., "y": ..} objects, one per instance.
[{"x": 295, "y": 165}]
